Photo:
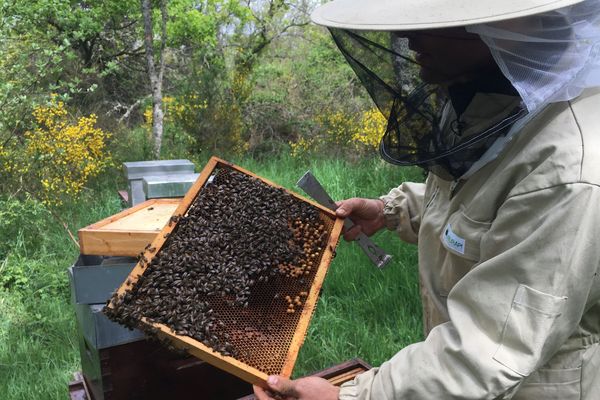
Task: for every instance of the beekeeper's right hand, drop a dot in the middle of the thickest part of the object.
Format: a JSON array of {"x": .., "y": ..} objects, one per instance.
[{"x": 367, "y": 214}]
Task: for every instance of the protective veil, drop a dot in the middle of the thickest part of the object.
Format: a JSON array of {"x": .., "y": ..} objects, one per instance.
[
  {"x": 548, "y": 57},
  {"x": 543, "y": 58},
  {"x": 421, "y": 130}
]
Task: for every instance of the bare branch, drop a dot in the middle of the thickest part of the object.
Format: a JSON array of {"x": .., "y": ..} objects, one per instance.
[{"x": 130, "y": 109}]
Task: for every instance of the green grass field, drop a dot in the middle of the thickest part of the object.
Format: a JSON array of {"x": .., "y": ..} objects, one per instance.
[{"x": 363, "y": 312}]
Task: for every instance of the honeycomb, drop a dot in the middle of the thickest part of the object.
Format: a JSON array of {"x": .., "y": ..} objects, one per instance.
[{"x": 252, "y": 320}]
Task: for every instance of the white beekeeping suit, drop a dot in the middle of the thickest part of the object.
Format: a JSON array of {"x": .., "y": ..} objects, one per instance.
[{"x": 508, "y": 220}]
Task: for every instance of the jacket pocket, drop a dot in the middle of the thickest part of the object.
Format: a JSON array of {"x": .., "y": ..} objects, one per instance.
[
  {"x": 551, "y": 384},
  {"x": 590, "y": 382},
  {"x": 526, "y": 329},
  {"x": 462, "y": 236}
]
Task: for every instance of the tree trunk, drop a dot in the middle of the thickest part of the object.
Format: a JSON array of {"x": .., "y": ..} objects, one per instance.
[{"x": 156, "y": 77}]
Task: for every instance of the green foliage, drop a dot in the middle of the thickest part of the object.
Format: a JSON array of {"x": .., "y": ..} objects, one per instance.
[
  {"x": 198, "y": 24},
  {"x": 37, "y": 346},
  {"x": 17, "y": 236},
  {"x": 306, "y": 95},
  {"x": 123, "y": 151},
  {"x": 26, "y": 61},
  {"x": 31, "y": 277},
  {"x": 85, "y": 52},
  {"x": 13, "y": 276},
  {"x": 54, "y": 160},
  {"x": 264, "y": 74}
]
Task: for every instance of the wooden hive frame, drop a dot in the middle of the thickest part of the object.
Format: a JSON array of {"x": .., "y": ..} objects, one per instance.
[{"x": 200, "y": 350}]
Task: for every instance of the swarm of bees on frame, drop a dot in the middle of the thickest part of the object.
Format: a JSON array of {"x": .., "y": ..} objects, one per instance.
[{"x": 239, "y": 234}]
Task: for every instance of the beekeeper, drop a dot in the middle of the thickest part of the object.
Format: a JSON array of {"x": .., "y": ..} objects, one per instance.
[{"x": 504, "y": 114}]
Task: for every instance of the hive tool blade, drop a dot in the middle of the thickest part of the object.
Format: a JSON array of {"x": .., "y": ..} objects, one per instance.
[{"x": 313, "y": 188}]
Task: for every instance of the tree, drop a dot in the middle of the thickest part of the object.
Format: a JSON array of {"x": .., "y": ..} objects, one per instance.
[
  {"x": 87, "y": 52},
  {"x": 155, "y": 72}
]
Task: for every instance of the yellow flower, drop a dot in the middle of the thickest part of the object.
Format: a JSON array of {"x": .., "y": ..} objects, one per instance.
[
  {"x": 372, "y": 127},
  {"x": 62, "y": 155}
]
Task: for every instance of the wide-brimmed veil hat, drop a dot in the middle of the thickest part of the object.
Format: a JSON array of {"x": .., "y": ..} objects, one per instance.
[
  {"x": 399, "y": 15},
  {"x": 545, "y": 50}
]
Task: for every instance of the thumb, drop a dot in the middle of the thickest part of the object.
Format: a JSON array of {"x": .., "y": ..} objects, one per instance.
[
  {"x": 345, "y": 207},
  {"x": 282, "y": 386}
]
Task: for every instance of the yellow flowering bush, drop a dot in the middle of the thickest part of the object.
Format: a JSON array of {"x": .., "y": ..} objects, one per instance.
[
  {"x": 241, "y": 86},
  {"x": 180, "y": 111},
  {"x": 61, "y": 154},
  {"x": 185, "y": 113},
  {"x": 301, "y": 146},
  {"x": 371, "y": 128},
  {"x": 342, "y": 129},
  {"x": 4, "y": 158},
  {"x": 339, "y": 127}
]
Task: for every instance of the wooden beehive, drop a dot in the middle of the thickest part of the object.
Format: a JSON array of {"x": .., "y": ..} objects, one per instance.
[
  {"x": 143, "y": 370},
  {"x": 128, "y": 232},
  {"x": 193, "y": 382},
  {"x": 266, "y": 337}
]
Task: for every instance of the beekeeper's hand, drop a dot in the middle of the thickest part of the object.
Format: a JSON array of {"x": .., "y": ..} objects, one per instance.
[
  {"x": 309, "y": 388},
  {"x": 367, "y": 214}
]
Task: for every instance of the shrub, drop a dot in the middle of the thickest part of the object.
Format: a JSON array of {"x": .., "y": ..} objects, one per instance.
[
  {"x": 342, "y": 130},
  {"x": 54, "y": 160}
]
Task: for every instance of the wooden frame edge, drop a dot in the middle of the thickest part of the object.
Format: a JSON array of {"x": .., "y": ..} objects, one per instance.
[
  {"x": 200, "y": 350},
  {"x": 312, "y": 298}
]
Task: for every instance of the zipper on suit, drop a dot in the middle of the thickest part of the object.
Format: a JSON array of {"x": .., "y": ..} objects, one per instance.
[
  {"x": 433, "y": 196},
  {"x": 454, "y": 186}
]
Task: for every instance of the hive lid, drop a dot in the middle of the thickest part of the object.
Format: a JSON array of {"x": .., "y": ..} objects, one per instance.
[{"x": 139, "y": 169}]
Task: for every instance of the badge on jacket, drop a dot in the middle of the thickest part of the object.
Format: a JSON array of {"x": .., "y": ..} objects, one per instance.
[{"x": 453, "y": 241}]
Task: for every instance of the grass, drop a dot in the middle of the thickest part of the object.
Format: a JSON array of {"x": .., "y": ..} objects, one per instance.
[
  {"x": 38, "y": 341},
  {"x": 37, "y": 347},
  {"x": 363, "y": 312}
]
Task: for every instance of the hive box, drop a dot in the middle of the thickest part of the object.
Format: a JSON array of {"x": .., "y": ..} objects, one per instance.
[
  {"x": 95, "y": 278},
  {"x": 276, "y": 351},
  {"x": 161, "y": 186},
  {"x": 89, "y": 299},
  {"x": 145, "y": 370},
  {"x": 137, "y": 170},
  {"x": 128, "y": 232}
]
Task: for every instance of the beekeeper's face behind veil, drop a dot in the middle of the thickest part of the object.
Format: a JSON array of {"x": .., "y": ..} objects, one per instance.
[
  {"x": 538, "y": 51},
  {"x": 445, "y": 56}
]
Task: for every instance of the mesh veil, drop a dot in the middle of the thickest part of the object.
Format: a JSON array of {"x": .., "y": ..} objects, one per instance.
[
  {"x": 548, "y": 57},
  {"x": 414, "y": 110}
]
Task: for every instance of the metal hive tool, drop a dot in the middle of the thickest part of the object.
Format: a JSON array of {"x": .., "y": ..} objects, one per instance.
[{"x": 253, "y": 333}]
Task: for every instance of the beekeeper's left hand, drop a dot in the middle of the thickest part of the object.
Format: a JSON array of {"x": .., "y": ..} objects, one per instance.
[{"x": 309, "y": 388}]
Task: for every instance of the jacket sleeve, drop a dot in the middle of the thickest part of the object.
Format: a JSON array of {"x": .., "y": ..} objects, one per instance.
[
  {"x": 402, "y": 209},
  {"x": 510, "y": 314}
]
